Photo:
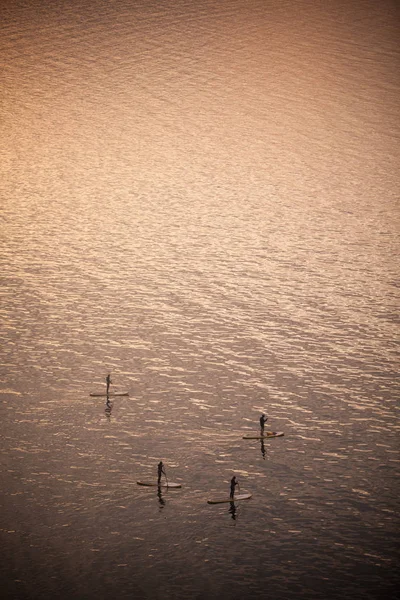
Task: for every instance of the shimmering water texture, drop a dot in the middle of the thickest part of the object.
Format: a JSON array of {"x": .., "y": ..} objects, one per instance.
[{"x": 200, "y": 198}]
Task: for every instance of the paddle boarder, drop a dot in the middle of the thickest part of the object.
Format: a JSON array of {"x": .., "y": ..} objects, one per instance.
[
  {"x": 161, "y": 470},
  {"x": 234, "y": 483},
  {"x": 263, "y": 420},
  {"x": 108, "y": 383}
]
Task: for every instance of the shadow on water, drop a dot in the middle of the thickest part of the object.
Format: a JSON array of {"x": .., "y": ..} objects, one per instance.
[
  {"x": 160, "y": 498},
  {"x": 262, "y": 447},
  {"x": 108, "y": 408}
]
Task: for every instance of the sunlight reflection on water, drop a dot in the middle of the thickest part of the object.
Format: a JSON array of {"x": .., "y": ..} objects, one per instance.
[{"x": 189, "y": 204}]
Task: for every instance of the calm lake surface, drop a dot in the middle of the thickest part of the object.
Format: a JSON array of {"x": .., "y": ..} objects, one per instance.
[{"x": 200, "y": 198}]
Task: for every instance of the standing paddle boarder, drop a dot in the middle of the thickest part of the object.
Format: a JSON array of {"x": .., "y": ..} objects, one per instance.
[
  {"x": 161, "y": 470},
  {"x": 263, "y": 420},
  {"x": 234, "y": 483},
  {"x": 108, "y": 383}
]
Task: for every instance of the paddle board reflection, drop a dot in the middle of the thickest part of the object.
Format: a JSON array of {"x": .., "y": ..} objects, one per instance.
[{"x": 232, "y": 510}]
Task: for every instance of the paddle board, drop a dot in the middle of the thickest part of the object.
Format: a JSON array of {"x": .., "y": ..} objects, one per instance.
[
  {"x": 271, "y": 434},
  {"x": 235, "y": 498},
  {"x": 110, "y": 395},
  {"x": 170, "y": 484}
]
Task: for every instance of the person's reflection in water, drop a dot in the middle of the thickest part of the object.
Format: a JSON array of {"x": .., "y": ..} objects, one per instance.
[
  {"x": 232, "y": 510},
  {"x": 263, "y": 449},
  {"x": 160, "y": 498},
  {"x": 108, "y": 408}
]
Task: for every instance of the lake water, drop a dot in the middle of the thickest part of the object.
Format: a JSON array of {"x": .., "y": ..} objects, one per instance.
[{"x": 200, "y": 198}]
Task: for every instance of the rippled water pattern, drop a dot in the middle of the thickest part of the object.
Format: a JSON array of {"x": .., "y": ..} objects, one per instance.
[{"x": 200, "y": 198}]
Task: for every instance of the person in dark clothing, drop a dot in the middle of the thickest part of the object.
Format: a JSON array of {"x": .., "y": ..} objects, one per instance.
[
  {"x": 263, "y": 420},
  {"x": 161, "y": 470},
  {"x": 108, "y": 383},
  {"x": 234, "y": 483}
]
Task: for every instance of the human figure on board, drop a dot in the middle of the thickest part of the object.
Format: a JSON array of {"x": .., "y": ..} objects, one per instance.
[
  {"x": 234, "y": 483},
  {"x": 161, "y": 470},
  {"x": 108, "y": 383},
  {"x": 263, "y": 420}
]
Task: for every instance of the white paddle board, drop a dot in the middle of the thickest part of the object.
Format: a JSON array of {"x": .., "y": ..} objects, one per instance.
[
  {"x": 110, "y": 395},
  {"x": 170, "y": 484},
  {"x": 269, "y": 434},
  {"x": 234, "y": 499}
]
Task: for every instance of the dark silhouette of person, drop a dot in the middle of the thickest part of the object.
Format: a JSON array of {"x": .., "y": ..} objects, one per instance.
[
  {"x": 263, "y": 420},
  {"x": 234, "y": 483},
  {"x": 108, "y": 383},
  {"x": 161, "y": 470}
]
